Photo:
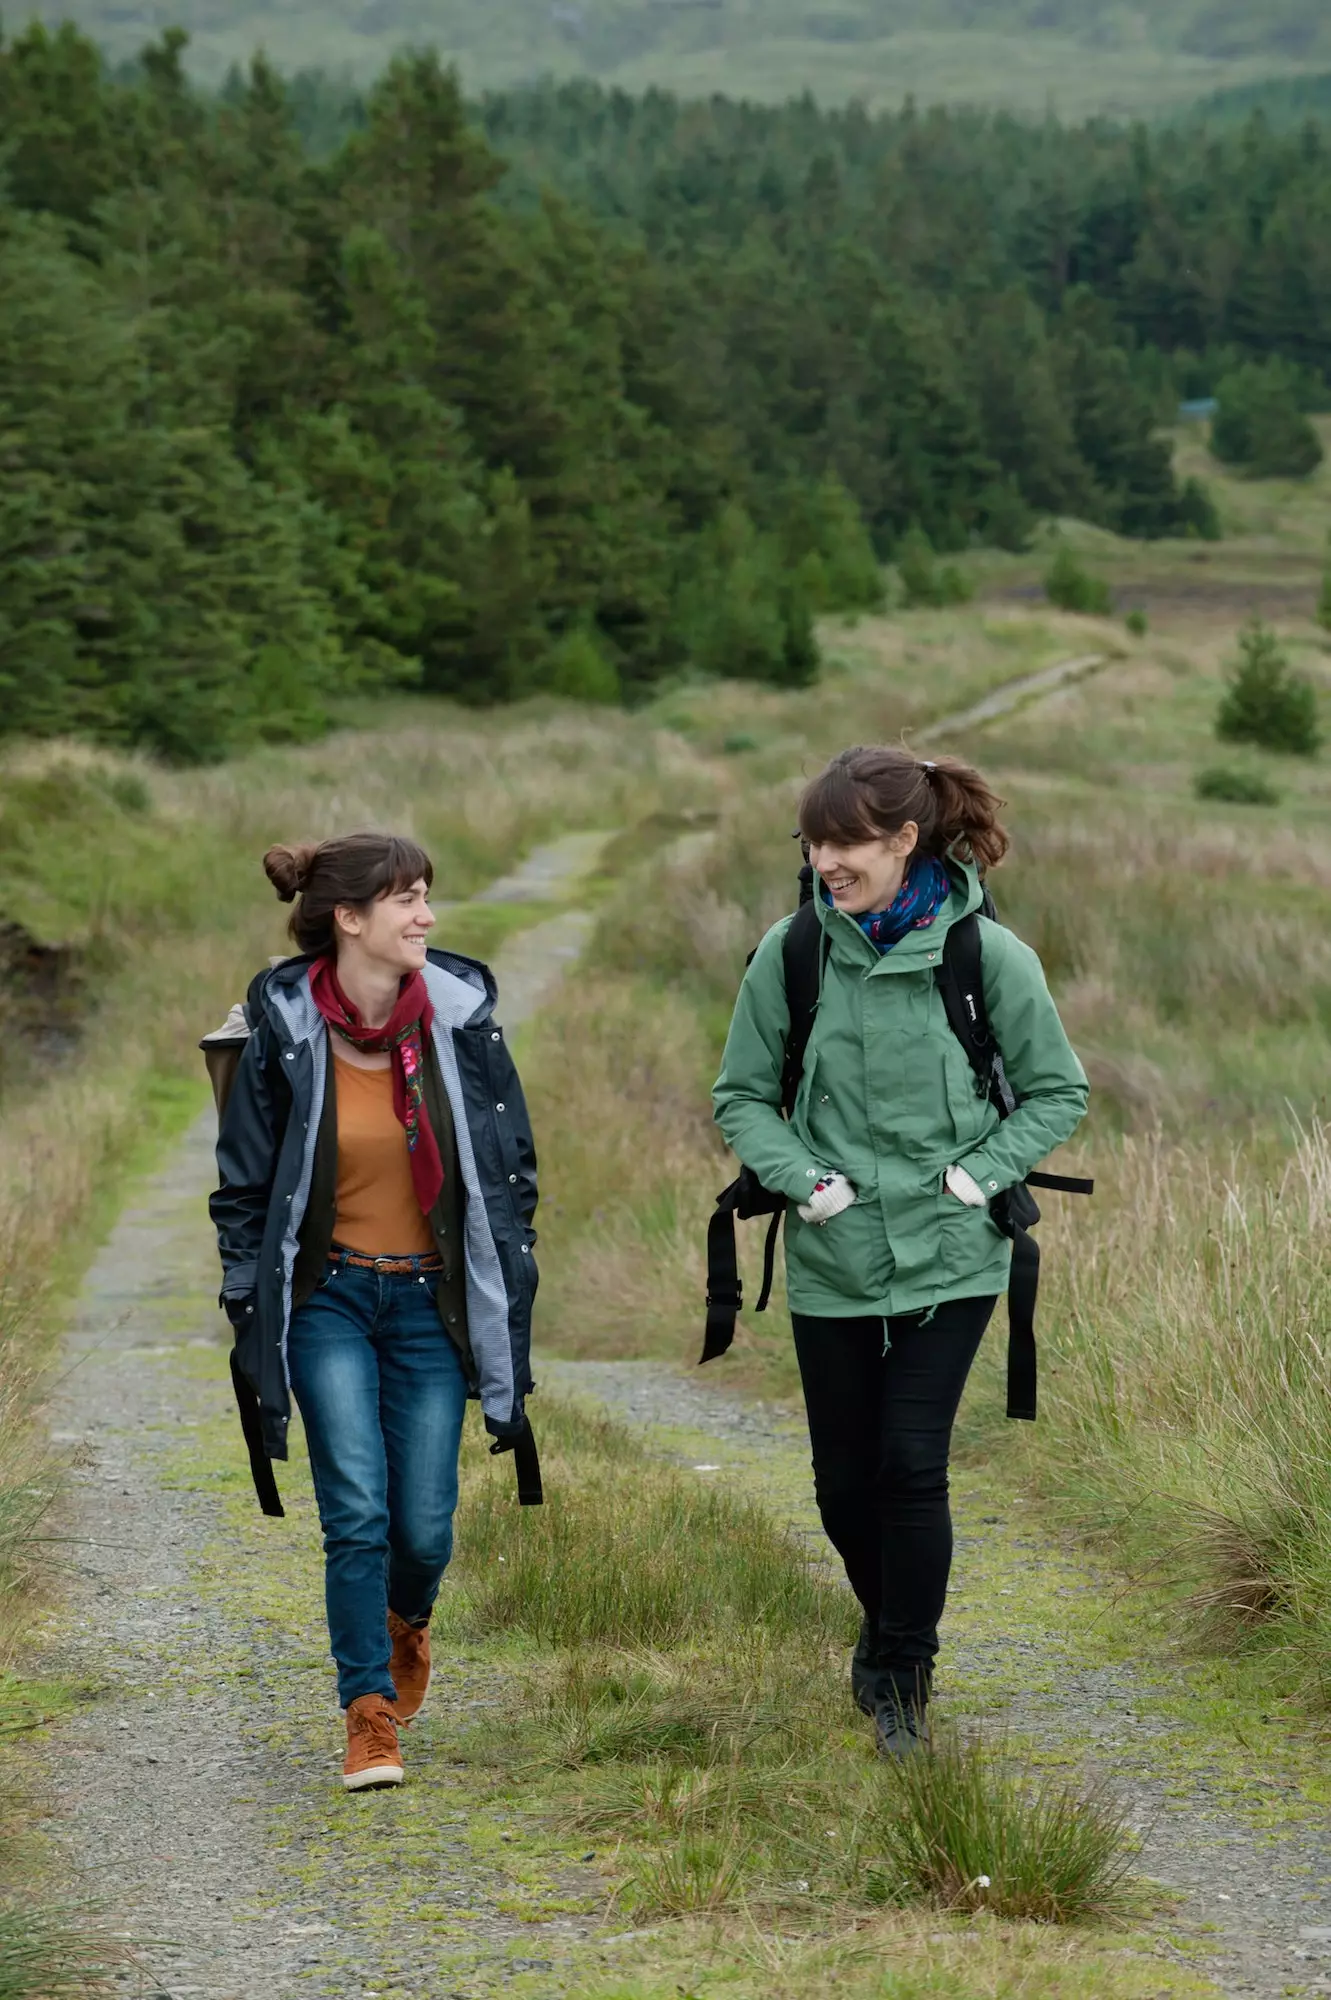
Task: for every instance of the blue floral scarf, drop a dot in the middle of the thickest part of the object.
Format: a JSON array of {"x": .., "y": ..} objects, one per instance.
[{"x": 917, "y": 902}]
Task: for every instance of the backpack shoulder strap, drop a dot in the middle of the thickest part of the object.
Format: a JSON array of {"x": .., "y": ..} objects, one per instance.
[
  {"x": 961, "y": 984},
  {"x": 803, "y": 954}
]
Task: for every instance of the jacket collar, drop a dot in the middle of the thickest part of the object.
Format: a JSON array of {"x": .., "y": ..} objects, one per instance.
[
  {"x": 462, "y": 992},
  {"x": 919, "y": 947}
]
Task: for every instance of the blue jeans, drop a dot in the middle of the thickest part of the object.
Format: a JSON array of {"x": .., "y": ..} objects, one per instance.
[{"x": 382, "y": 1395}]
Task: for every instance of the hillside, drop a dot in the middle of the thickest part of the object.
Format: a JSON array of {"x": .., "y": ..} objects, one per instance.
[
  {"x": 1185, "y": 1366},
  {"x": 1078, "y": 54}
]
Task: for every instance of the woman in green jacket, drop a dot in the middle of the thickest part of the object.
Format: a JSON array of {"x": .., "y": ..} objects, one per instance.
[{"x": 888, "y": 1162}]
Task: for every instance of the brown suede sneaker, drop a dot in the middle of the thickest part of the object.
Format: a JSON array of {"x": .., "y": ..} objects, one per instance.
[
  {"x": 373, "y": 1757},
  {"x": 409, "y": 1666}
]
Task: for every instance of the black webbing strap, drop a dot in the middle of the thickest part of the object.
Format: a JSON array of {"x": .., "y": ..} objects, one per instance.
[
  {"x": 526, "y": 1463},
  {"x": 261, "y": 1466},
  {"x": 769, "y": 1260},
  {"x": 725, "y": 1292},
  {"x": 1023, "y": 1285},
  {"x": 1061, "y": 1183}
]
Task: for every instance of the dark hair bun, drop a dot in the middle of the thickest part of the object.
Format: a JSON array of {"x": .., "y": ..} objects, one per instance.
[{"x": 288, "y": 868}]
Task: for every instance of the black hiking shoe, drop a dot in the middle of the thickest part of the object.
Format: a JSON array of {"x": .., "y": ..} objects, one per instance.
[{"x": 903, "y": 1729}]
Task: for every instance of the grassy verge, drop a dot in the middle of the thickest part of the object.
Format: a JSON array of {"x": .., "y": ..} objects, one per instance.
[
  {"x": 687, "y": 1705},
  {"x": 642, "y": 1747}
]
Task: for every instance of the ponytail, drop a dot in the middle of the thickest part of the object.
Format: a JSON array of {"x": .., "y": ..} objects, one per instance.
[{"x": 871, "y": 791}]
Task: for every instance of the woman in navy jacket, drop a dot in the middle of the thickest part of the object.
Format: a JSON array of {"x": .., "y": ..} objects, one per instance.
[{"x": 381, "y": 1341}]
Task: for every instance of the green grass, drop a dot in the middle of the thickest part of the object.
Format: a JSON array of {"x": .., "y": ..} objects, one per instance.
[
  {"x": 568, "y": 1573},
  {"x": 970, "y": 1829},
  {"x": 686, "y": 1703},
  {"x": 712, "y": 1788},
  {"x": 42, "y": 1955}
]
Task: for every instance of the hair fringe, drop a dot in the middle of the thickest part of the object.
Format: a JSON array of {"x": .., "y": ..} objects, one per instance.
[
  {"x": 872, "y": 790},
  {"x": 353, "y": 869}
]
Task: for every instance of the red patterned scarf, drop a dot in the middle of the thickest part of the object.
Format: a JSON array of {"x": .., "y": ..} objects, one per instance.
[{"x": 402, "y": 1037}]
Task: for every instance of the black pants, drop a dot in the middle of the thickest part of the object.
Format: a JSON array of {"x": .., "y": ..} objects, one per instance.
[{"x": 882, "y": 1396}]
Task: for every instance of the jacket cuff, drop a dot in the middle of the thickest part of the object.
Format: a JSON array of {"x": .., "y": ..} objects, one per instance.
[
  {"x": 990, "y": 1178},
  {"x": 512, "y": 1429},
  {"x": 240, "y": 1280},
  {"x": 800, "y": 1182}
]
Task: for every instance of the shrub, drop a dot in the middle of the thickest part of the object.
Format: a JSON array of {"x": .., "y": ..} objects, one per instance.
[
  {"x": 746, "y": 614},
  {"x": 1267, "y": 702},
  {"x": 1073, "y": 588},
  {"x": 1233, "y": 786},
  {"x": 1008, "y": 519},
  {"x": 1137, "y": 623},
  {"x": 128, "y": 789},
  {"x": 1196, "y": 513},
  {"x": 579, "y": 669},
  {"x": 968, "y": 1829},
  {"x": 823, "y": 536},
  {"x": 1260, "y": 425},
  {"x": 925, "y": 581}
]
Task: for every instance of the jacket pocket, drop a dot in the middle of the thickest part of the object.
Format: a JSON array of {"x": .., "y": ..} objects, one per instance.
[
  {"x": 845, "y": 1263},
  {"x": 969, "y": 1242}
]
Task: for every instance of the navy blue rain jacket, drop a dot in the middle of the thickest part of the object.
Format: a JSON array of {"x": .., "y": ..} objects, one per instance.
[{"x": 265, "y": 1158}]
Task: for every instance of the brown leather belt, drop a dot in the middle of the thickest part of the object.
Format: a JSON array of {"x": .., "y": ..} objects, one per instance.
[{"x": 392, "y": 1267}]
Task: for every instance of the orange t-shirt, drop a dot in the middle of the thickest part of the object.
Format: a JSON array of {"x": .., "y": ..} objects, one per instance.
[{"x": 377, "y": 1210}]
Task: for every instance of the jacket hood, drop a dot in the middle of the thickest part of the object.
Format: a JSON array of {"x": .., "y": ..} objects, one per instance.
[
  {"x": 967, "y": 895},
  {"x": 462, "y": 992}
]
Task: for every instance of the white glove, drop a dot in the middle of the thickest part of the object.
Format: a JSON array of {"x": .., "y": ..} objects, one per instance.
[
  {"x": 958, "y": 1182},
  {"x": 832, "y": 1194}
]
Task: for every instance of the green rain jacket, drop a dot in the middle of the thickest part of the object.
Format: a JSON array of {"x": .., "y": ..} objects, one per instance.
[{"x": 888, "y": 1099}]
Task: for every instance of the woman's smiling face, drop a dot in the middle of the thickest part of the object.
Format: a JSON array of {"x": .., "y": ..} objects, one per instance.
[
  {"x": 391, "y": 931},
  {"x": 865, "y": 876}
]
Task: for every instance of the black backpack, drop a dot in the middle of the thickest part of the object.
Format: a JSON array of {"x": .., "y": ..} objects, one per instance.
[{"x": 961, "y": 985}]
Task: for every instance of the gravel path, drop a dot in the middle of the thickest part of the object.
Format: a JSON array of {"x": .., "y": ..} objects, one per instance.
[
  {"x": 1030, "y": 1639},
  {"x": 1013, "y": 694},
  {"x": 547, "y": 874}
]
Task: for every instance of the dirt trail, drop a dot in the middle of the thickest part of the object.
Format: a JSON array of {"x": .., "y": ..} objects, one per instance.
[
  {"x": 1030, "y": 1644},
  {"x": 1013, "y": 694},
  {"x": 196, "y": 1794}
]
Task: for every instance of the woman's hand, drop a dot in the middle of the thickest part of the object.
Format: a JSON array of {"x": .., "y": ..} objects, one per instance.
[
  {"x": 965, "y": 1187},
  {"x": 832, "y": 1194}
]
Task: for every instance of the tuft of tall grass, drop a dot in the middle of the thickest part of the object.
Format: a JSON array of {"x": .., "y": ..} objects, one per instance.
[
  {"x": 967, "y": 1827},
  {"x": 630, "y": 1552},
  {"x": 44, "y": 1955},
  {"x": 724, "y": 1699}
]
